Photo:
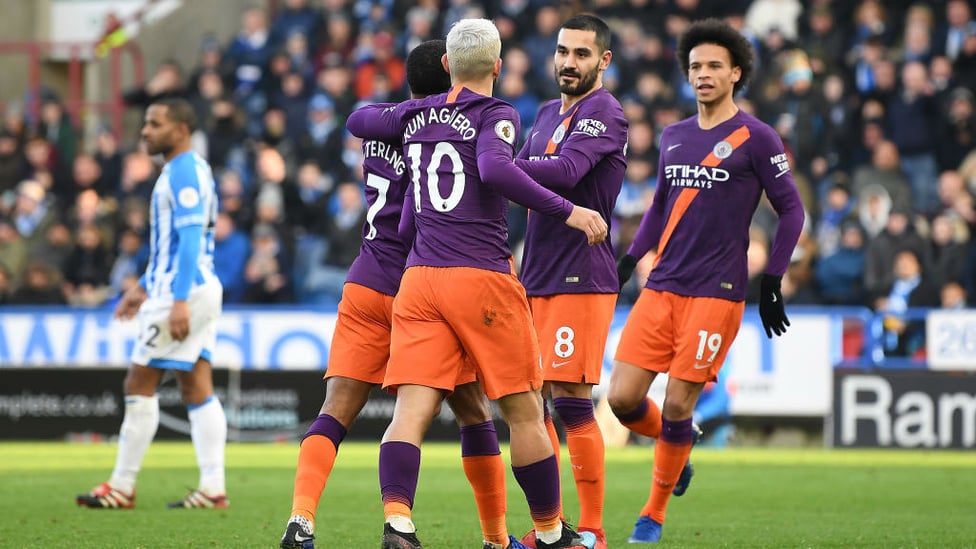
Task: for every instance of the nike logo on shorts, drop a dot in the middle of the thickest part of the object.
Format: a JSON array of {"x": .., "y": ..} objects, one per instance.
[
  {"x": 558, "y": 364},
  {"x": 702, "y": 366}
]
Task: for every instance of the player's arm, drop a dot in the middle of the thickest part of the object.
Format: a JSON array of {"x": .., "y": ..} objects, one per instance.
[
  {"x": 649, "y": 231},
  {"x": 773, "y": 170},
  {"x": 777, "y": 182},
  {"x": 495, "y": 148},
  {"x": 188, "y": 221},
  {"x": 407, "y": 229},
  {"x": 595, "y": 135},
  {"x": 379, "y": 121}
]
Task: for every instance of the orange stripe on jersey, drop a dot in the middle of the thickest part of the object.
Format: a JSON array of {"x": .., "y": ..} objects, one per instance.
[
  {"x": 735, "y": 139},
  {"x": 551, "y": 145},
  {"x": 677, "y": 212},
  {"x": 453, "y": 94}
]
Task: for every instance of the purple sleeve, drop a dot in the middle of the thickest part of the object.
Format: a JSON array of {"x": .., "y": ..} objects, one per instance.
[
  {"x": 379, "y": 121},
  {"x": 648, "y": 234},
  {"x": 407, "y": 230},
  {"x": 499, "y": 171},
  {"x": 582, "y": 149},
  {"x": 773, "y": 169}
]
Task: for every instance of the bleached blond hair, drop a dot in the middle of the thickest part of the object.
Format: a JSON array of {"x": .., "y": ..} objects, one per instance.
[{"x": 473, "y": 46}]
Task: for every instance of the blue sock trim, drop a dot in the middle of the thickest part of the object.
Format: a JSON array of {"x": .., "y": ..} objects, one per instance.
[
  {"x": 191, "y": 407},
  {"x": 170, "y": 364}
]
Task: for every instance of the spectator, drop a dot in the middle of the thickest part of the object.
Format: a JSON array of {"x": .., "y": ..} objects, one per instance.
[
  {"x": 87, "y": 269},
  {"x": 231, "y": 251},
  {"x": 137, "y": 177},
  {"x": 913, "y": 121},
  {"x": 58, "y": 244},
  {"x": 379, "y": 59},
  {"x": 294, "y": 17},
  {"x": 56, "y": 126},
  {"x": 899, "y": 234},
  {"x": 109, "y": 158},
  {"x": 337, "y": 44},
  {"x": 130, "y": 262},
  {"x": 958, "y": 131},
  {"x": 33, "y": 212},
  {"x": 42, "y": 286},
  {"x": 167, "y": 81},
  {"x": 952, "y": 33},
  {"x": 13, "y": 253},
  {"x": 948, "y": 249},
  {"x": 840, "y": 275},
  {"x": 11, "y": 163},
  {"x": 909, "y": 288},
  {"x": 267, "y": 268},
  {"x": 342, "y": 231},
  {"x": 837, "y": 208},
  {"x": 885, "y": 170}
]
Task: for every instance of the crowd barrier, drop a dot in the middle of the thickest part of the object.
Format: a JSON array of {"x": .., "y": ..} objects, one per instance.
[{"x": 61, "y": 374}]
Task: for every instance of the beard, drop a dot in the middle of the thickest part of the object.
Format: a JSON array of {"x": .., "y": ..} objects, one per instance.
[{"x": 584, "y": 82}]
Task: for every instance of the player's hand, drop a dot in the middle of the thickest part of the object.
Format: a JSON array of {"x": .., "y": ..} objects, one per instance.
[
  {"x": 625, "y": 268},
  {"x": 130, "y": 302},
  {"x": 771, "y": 308},
  {"x": 179, "y": 320},
  {"x": 590, "y": 222}
]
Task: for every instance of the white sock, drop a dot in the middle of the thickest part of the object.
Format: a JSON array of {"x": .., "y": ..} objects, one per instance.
[
  {"x": 138, "y": 429},
  {"x": 208, "y": 430},
  {"x": 550, "y": 536},
  {"x": 401, "y": 523}
]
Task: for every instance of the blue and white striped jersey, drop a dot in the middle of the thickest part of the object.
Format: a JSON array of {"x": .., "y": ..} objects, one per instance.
[{"x": 185, "y": 194}]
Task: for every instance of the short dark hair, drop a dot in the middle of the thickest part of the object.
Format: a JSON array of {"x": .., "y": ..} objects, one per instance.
[
  {"x": 588, "y": 22},
  {"x": 179, "y": 110},
  {"x": 425, "y": 73},
  {"x": 718, "y": 32}
]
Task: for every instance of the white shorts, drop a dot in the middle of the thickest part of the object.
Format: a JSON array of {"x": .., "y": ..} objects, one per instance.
[{"x": 155, "y": 346}]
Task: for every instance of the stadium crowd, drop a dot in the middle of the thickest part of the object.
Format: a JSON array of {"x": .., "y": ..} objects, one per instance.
[{"x": 873, "y": 101}]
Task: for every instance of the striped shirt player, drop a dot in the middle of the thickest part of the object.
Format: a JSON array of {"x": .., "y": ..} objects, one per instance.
[
  {"x": 184, "y": 197},
  {"x": 177, "y": 303}
]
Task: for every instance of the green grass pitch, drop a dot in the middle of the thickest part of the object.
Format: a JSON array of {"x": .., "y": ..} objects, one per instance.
[{"x": 739, "y": 498}]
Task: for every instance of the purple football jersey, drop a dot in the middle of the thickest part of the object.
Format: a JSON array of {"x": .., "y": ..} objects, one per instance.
[
  {"x": 383, "y": 255},
  {"x": 458, "y": 148},
  {"x": 709, "y": 185},
  {"x": 580, "y": 155}
]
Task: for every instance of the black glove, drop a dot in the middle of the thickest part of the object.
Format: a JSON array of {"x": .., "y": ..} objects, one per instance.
[
  {"x": 625, "y": 268},
  {"x": 771, "y": 309}
]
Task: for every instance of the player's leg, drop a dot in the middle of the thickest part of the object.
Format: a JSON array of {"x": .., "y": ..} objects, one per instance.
[
  {"x": 704, "y": 332},
  {"x": 425, "y": 361},
  {"x": 344, "y": 399},
  {"x": 399, "y": 463},
  {"x": 482, "y": 460},
  {"x": 139, "y": 424},
  {"x": 495, "y": 327},
  {"x": 572, "y": 331},
  {"x": 358, "y": 356},
  {"x": 208, "y": 432}
]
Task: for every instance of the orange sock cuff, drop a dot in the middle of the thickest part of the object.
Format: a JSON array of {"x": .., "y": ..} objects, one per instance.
[{"x": 391, "y": 508}]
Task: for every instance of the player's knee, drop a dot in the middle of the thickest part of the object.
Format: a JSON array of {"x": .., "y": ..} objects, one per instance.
[{"x": 622, "y": 403}]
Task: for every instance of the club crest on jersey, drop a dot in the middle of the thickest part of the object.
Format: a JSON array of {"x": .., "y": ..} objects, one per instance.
[
  {"x": 188, "y": 197},
  {"x": 506, "y": 131},
  {"x": 722, "y": 149},
  {"x": 559, "y": 134}
]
